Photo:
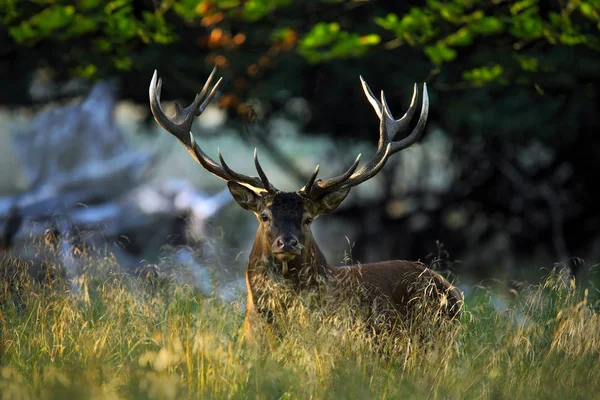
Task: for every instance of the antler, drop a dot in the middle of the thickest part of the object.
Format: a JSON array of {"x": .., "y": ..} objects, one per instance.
[
  {"x": 180, "y": 127},
  {"x": 388, "y": 129}
]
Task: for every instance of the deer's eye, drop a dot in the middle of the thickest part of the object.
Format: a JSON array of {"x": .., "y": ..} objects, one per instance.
[
  {"x": 264, "y": 217},
  {"x": 308, "y": 221}
]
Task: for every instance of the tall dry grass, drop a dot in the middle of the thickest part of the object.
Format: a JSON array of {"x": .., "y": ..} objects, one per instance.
[{"x": 107, "y": 334}]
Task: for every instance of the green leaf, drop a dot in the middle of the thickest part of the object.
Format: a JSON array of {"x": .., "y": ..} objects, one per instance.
[
  {"x": 86, "y": 70},
  {"x": 121, "y": 26},
  {"x": 155, "y": 29},
  {"x": 527, "y": 27},
  {"x": 224, "y": 4},
  {"x": 571, "y": 39},
  {"x": 390, "y": 22},
  {"x": 9, "y": 11},
  {"x": 320, "y": 35},
  {"x": 440, "y": 53},
  {"x": 486, "y": 25},
  {"x": 451, "y": 12},
  {"x": 257, "y": 9},
  {"x": 483, "y": 75},
  {"x": 53, "y": 18},
  {"x": 326, "y": 41},
  {"x": 103, "y": 45},
  {"x": 45, "y": 24},
  {"x": 370, "y": 40},
  {"x": 115, "y": 5},
  {"x": 82, "y": 25},
  {"x": 462, "y": 37},
  {"x": 519, "y": 6},
  {"x": 530, "y": 64},
  {"x": 254, "y": 10},
  {"x": 83, "y": 5},
  {"x": 587, "y": 9},
  {"x": 23, "y": 33},
  {"x": 353, "y": 45},
  {"x": 416, "y": 27},
  {"x": 123, "y": 63}
]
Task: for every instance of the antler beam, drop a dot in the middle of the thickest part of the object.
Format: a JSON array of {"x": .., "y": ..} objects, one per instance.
[
  {"x": 180, "y": 127},
  {"x": 388, "y": 128}
]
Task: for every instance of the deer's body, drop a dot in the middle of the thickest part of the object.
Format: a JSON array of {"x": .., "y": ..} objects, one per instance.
[
  {"x": 395, "y": 281},
  {"x": 284, "y": 246},
  {"x": 400, "y": 283}
]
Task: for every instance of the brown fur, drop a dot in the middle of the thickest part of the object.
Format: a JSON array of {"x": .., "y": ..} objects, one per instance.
[{"x": 401, "y": 284}]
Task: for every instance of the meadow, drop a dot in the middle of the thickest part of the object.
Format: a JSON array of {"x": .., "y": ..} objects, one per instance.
[{"x": 109, "y": 334}]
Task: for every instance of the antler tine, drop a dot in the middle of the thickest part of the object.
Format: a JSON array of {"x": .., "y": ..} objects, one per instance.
[
  {"x": 221, "y": 171},
  {"x": 242, "y": 178},
  {"x": 308, "y": 187},
  {"x": 208, "y": 98},
  {"x": 335, "y": 182},
  {"x": 418, "y": 130},
  {"x": 263, "y": 177},
  {"x": 394, "y": 126},
  {"x": 372, "y": 169},
  {"x": 180, "y": 127},
  {"x": 232, "y": 174},
  {"x": 205, "y": 89},
  {"x": 372, "y": 99},
  {"x": 388, "y": 128}
]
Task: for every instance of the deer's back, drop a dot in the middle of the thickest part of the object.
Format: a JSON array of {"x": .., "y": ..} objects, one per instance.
[{"x": 405, "y": 284}]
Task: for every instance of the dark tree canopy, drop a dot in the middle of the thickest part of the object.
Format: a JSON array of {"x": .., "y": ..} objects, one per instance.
[{"x": 545, "y": 47}]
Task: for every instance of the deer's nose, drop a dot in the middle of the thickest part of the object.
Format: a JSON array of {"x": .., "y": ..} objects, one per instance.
[{"x": 286, "y": 243}]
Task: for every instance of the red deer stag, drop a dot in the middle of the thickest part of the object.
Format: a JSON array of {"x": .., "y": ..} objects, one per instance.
[{"x": 284, "y": 244}]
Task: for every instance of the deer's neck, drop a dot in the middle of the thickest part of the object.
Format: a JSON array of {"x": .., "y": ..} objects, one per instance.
[
  {"x": 310, "y": 261},
  {"x": 262, "y": 265}
]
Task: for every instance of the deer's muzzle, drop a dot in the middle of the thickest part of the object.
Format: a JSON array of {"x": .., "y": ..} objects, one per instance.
[{"x": 286, "y": 248}]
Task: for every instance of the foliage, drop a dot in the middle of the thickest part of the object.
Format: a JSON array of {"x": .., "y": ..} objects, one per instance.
[
  {"x": 522, "y": 48},
  {"x": 513, "y": 75},
  {"x": 107, "y": 334},
  {"x": 326, "y": 41},
  {"x": 457, "y": 45},
  {"x": 113, "y": 29},
  {"x": 441, "y": 30}
]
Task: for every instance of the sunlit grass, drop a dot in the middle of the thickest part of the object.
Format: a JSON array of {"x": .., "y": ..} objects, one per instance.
[{"x": 108, "y": 334}]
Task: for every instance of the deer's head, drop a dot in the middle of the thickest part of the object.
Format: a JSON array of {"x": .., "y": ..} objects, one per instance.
[{"x": 285, "y": 217}]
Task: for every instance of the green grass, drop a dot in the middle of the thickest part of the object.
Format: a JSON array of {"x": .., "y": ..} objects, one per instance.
[{"x": 121, "y": 336}]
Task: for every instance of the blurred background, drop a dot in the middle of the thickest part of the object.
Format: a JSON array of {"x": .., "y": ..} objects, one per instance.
[{"x": 502, "y": 184}]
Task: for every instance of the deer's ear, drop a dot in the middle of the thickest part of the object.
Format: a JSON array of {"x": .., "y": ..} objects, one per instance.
[
  {"x": 330, "y": 201},
  {"x": 245, "y": 197}
]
